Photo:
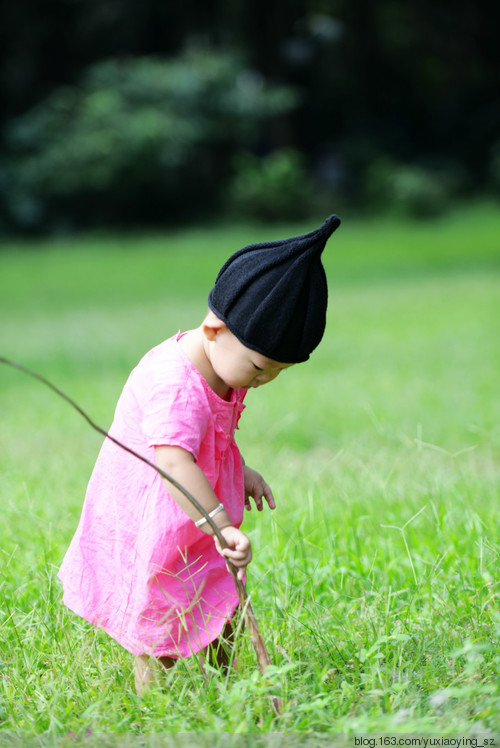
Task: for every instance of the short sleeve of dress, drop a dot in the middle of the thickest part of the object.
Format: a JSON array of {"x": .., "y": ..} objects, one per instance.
[{"x": 174, "y": 407}]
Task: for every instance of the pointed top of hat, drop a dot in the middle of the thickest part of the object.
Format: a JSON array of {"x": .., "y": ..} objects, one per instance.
[{"x": 273, "y": 296}]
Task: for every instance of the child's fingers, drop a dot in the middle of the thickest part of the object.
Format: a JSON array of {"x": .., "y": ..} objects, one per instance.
[
  {"x": 238, "y": 557},
  {"x": 257, "y": 497},
  {"x": 240, "y": 571},
  {"x": 257, "y": 489},
  {"x": 263, "y": 491},
  {"x": 238, "y": 560},
  {"x": 239, "y": 549},
  {"x": 240, "y": 564},
  {"x": 269, "y": 497}
]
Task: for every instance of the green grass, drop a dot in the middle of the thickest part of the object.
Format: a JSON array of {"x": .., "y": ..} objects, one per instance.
[{"x": 375, "y": 582}]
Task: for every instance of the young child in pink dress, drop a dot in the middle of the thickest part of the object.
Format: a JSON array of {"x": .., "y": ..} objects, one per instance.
[{"x": 143, "y": 564}]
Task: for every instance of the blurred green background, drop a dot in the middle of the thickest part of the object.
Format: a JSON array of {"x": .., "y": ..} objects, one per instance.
[{"x": 155, "y": 113}]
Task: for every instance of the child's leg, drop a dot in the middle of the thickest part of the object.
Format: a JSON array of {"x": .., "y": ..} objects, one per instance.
[
  {"x": 220, "y": 651},
  {"x": 145, "y": 670}
]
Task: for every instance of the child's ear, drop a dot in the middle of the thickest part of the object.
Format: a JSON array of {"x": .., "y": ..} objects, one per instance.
[{"x": 212, "y": 326}]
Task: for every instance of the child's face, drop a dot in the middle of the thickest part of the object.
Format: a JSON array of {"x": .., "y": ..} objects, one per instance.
[{"x": 239, "y": 366}]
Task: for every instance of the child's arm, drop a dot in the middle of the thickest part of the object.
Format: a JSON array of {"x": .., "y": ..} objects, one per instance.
[{"x": 180, "y": 464}]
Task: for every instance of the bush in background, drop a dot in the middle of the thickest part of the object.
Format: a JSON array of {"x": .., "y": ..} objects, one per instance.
[
  {"x": 407, "y": 189},
  {"x": 140, "y": 140},
  {"x": 276, "y": 187},
  {"x": 495, "y": 167}
]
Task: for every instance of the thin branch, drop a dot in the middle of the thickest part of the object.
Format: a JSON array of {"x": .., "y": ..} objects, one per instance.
[{"x": 257, "y": 640}]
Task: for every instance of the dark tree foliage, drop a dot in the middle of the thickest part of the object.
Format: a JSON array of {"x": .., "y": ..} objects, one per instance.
[{"x": 380, "y": 81}]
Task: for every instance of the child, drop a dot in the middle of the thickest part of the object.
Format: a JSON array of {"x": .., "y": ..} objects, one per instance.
[{"x": 142, "y": 564}]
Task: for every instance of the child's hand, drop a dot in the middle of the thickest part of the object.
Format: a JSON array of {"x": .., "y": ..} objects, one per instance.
[
  {"x": 239, "y": 551},
  {"x": 256, "y": 487}
]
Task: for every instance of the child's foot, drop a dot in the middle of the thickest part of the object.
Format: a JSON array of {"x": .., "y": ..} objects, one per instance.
[{"x": 146, "y": 670}]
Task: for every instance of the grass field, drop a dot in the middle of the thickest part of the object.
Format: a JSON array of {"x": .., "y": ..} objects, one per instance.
[{"x": 376, "y": 580}]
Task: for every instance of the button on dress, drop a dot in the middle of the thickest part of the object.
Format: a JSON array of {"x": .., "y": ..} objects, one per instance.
[{"x": 137, "y": 566}]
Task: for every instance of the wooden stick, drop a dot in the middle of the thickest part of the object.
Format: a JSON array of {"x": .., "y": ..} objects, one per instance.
[{"x": 258, "y": 642}]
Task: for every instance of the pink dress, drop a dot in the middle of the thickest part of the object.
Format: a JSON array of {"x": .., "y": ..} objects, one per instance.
[{"x": 137, "y": 565}]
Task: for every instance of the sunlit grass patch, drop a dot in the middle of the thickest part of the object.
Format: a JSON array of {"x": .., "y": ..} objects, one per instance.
[{"x": 375, "y": 581}]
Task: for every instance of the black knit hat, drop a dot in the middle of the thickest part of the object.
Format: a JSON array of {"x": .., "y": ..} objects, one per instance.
[{"x": 273, "y": 296}]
